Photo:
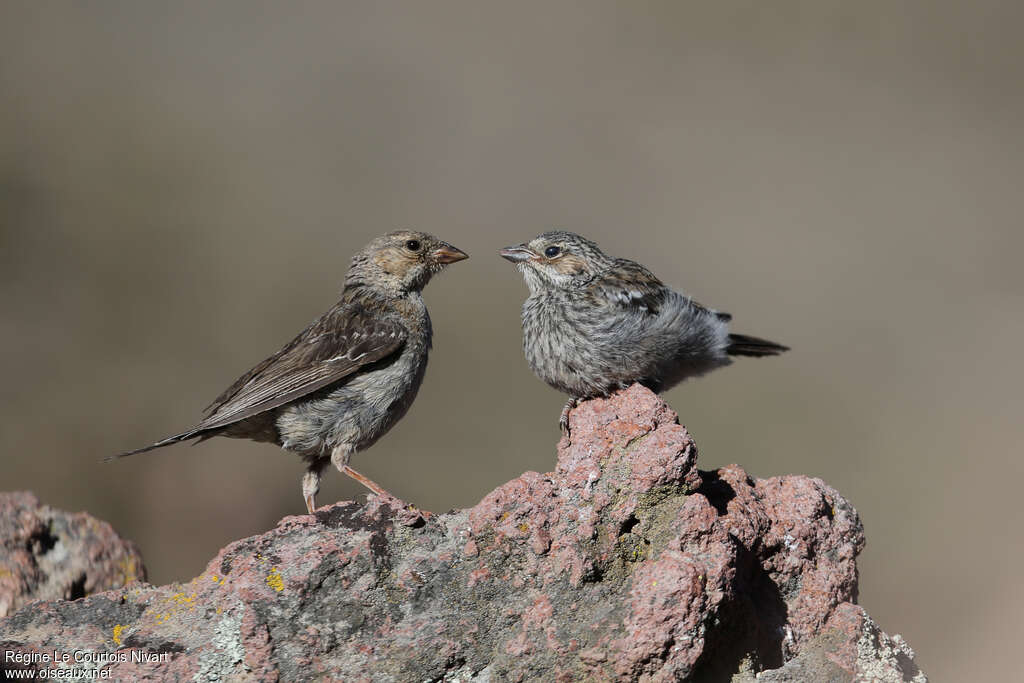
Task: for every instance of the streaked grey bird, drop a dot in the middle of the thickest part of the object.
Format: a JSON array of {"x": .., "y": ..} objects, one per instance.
[
  {"x": 345, "y": 380},
  {"x": 593, "y": 323}
]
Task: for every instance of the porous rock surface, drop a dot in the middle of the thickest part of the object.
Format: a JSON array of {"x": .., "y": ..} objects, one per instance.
[
  {"x": 48, "y": 554},
  {"x": 625, "y": 563}
]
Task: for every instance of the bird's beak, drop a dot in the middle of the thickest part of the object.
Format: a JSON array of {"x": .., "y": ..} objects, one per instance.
[
  {"x": 446, "y": 253},
  {"x": 518, "y": 253}
]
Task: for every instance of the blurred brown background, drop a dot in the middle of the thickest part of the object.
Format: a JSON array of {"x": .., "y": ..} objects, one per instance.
[{"x": 181, "y": 187}]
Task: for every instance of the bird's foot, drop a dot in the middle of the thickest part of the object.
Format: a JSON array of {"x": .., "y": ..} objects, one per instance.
[
  {"x": 425, "y": 514},
  {"x": 412, "y": 513},
  {"x": 311, "y": 486},
  {"x": 563, "y": 420}
]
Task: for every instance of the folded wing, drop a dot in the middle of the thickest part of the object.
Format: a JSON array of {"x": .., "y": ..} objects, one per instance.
[{"x": 333, "y": 347}]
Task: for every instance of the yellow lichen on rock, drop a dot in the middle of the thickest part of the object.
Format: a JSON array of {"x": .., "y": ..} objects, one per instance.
[{"x": 275, "y": 580}]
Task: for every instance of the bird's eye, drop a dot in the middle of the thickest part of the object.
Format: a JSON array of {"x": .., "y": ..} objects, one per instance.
[
  {"x": 413, "y": 245},
  {"x": 552, "y": 252}
]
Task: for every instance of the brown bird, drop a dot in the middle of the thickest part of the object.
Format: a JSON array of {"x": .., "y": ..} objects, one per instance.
[{"x": 345, "y": 380}]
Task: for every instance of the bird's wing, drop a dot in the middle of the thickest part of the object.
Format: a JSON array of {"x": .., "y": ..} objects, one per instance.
[
  {"x": 333, "y": 347},
  {"x": 700, "y": 308},
  {"x": 631, "y": 286}
]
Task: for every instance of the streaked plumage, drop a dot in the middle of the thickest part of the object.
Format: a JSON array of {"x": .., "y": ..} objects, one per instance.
[
  {"x": 593, "y": 324},
  {"x": 347, "y": 378}
]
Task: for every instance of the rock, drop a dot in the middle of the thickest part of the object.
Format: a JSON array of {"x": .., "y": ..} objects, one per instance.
[
  {"x": 850, "y": 646},
  {"x": 48, "y": 554},
  {"x": 624, "y": 563}
]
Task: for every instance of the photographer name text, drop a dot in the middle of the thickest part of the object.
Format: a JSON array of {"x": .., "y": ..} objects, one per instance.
[{"x": 86, "y": 657}]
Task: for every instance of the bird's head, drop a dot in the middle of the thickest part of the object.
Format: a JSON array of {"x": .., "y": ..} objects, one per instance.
[
  {"x": 402, "y": 261},
  {"x": 556, "y": 259}
]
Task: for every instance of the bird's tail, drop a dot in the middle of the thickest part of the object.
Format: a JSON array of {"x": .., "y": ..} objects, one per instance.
[
  {"x": 177, "y": 438},
  {"x": 742, "y": 345}
]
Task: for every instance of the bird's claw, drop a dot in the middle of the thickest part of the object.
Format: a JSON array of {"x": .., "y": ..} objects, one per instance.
[
  {"x": 410, "y": 515},
  {"x": 563, "y": 420},
  {"x": 425, "y": 514}
]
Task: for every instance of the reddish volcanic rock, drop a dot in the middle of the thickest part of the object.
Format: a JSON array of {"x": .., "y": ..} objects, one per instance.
[
  {"x": 624, "y": 563},
  {"x": 48, "y": 554},
  {"x": 850, "y": 646}
]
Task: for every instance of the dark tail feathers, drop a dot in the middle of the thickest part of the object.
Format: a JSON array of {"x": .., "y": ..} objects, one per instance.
[
  {"x": 177, "y": 438},
  {"x": 742, "y": 345}
]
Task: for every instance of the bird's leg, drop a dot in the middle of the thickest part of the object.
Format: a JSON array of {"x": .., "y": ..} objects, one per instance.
[
  {"x": 367, "y": 482},
  {"x": 311, "y": 485},
  {"x": 340, "y": 457},
  {"x": 563, "y": 421}
]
